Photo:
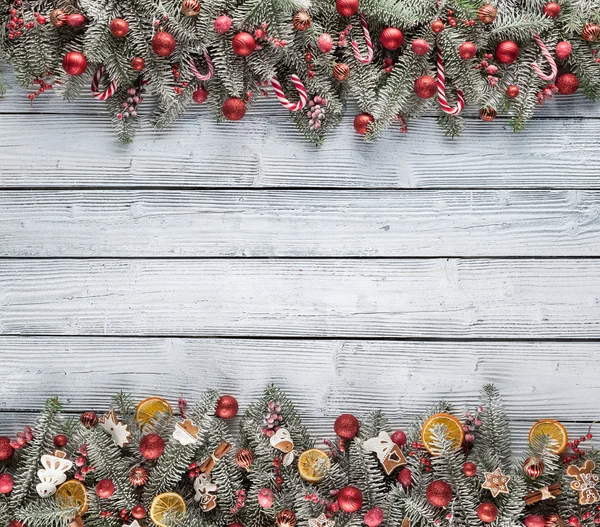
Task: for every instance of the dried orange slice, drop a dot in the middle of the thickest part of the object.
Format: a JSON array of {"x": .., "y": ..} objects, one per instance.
[
  {"x": 72, "y": 493},
  {"x": 454, "y": 431},
  {"x": 147, "y": 410},
  {"x": 313, "y": 465},
  {"x": 165, "y": 506},
  {"x": 554, "y": 430}
]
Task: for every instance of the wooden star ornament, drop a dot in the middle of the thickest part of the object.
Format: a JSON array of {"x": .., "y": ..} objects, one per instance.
[{"x": 496, "y": 482}]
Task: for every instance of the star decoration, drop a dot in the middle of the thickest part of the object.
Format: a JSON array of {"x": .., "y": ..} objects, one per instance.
[
  {"x": 116, "y": 429},
  {"x": 321, "y": 521},
  {"x": 496, "y": 482}
]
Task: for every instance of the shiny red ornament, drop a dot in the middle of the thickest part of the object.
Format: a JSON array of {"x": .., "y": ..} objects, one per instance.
[
  {"x": 76, "y": 20},
  {"x": 244, "y": 458},
  {"x": 487, "y": 512},
  {"x": 437, "y": 26},
  {"x": 58, "y": 17},
  {"x": 534, "y": 520},
  {"x": 243, "y": 44},
  {"x": 163, "y": 44},
  {"x": 341, "y": 72},
  {"x": 374, "y": 517},
  {"x": 227, "y": 407},
  {"x": 200, "y": 95},
  {"x": 420, "y": 46},
  {"x": 234, "y": 109},
  {"x": 138, "y": 476},
  {"x": 265, "y": 498},
  {"x": 6, "y": 483},
  {"x": 222, "y": 24},
  {"x": 361, "y": 124},
  {"x": 512, "y": 91},
  {"x": 88, "y": 419},
  {"x": 346, "y": 425},
  {"x": 391, "y": 38},
  {"x": 346, "y": 7},
  {"x": 399, "y": 437},
  {"x": 425, "y": 86},
  {"x": 301, "y": 21},
  {"x": 325, "y": 43},
  {"x": 138, "y": 512},
  {"x": 75, "y": 63},
  {"x": 567, "y": 83},
  {"x": 469, "y": 469},
  {"x": 487, "y": 113},
  {"x": 563, "y": 50},
  {"x": 190, "y": 7},
  {"x": 105, "y": 488},
  {"x": 60, "y": 440},
  {"x": 507, "y": 52},
  {"x": 487, "y": 14},
  {"x": 590, "y": 32},
  {"x": 467, "y": 50},
  {"x": 405, "y": 478},
  {"x": 6, "y": 450},
  {"x": 286, "y": 518},
  {"x": 439, "y": 493},
  {"x": 119, "y": 27},
  {"x": 152, "y": 446},
  {"x": 534, "y": 467},
  {"x": 138, "y": 63},
  {"x": 552, "y": 9},
  {"x": 350, "y": 499}
]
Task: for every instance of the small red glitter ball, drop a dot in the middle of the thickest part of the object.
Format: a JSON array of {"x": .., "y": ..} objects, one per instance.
[
  {"x": 119, "y": 27},
  {"x": 487, "y": 512},
  {"x": 138, "y": 476},
  {"x": 552, "y": 9},
  {"x": 6, "y": 451},
  {"x": 200, "y": 95},
  {"x": 265, "y": 498},
  {"x": 420, "y": 46},
  {"x": 75, "y": 63},
  {"x": 138, "y": 512},
  {"x": 425, "y": 86},
  {"x": 563, "y": 50},
  {"x": 346, "y": 425},
  {"x": 405, "y": 478},
  {"x": 439, "y": 493},
  {"x": 374, "y": 517},
  {"x": 534, "y": 520},
  {"x": 60, "y": 441},
  {"x": 391, "y": 38},
  {"x": 399, "y": 437},
  {"x": 347, "y": 7},
  {"x": 227, "y": 407},
  {"x": 243, "y": 44},
  {"x": 437, "y": 26},
  {"x": 88, "y": 419},
  {"x": 234, "y": 109},
  {"x": 163, "y": 44},
  {"x": 222, "y": 24},
  {"x": 512, "y": 91},
  {"x": 137, "y": 63},
  {"x": 469, "y": 469},
  {"x": 507, "y": 52},
  {"x": 567, "y": 83},
  {"x": 350, "y": 499},
  {"x": 467, "y": 50},
  {"x": 105, "y": 488},
  {"x": 6, "y": 483},
  {"x": 152, "y": 446}
]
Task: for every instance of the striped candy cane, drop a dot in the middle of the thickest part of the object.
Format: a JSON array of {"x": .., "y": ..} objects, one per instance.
[
  {"x": 549, "y": 58},
  {"x": 95, "y": 87},
  {"x": 209, "y": 64},
  {"x": 292, "y": 107},
  {"x": 359, "y": 57},
  {"x": 441, "y": 89}
]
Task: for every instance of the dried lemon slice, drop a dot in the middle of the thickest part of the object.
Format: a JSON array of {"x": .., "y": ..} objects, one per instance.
[
  {"x": 313, "y": 465},
  {"x": 147, "y": 410},
  {"x": 552, "y": 429},
  {"x": 454, "y": 431},
  {"x": 165, "y": 506}
]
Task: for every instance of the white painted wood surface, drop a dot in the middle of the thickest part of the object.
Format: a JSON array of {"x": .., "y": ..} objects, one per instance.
[{"x": 355, "y": 276}]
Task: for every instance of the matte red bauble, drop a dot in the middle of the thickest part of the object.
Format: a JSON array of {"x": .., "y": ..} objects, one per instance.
[
  {"x": 405, "y": 478},
  {"x": 487, "y": 512},
  {"x": 163, "y": 44},
  {"x": 391, "y": 38},
  {"x": 469, "y": 469},
  {"x": 346, "y": 425},
  {"x": 222, "y": 24},
  {"x": 105, "y": 488},
  {"x": 590, "y": 32},
  {"x": 6, "y": 483},
  {"x": 234, "y": 109},
  {"x": 420, "y": 46},
  {"x": 138, "y": 512},
  {"x": 243, "y": 44},
  {"x": 439, "y": 493},
  {"x": 425, "y": 86},
  {"x": 437, "y": 26},
  {"x": 374, "y": 517},
  {"x": 74, "y": 63},
  {"x": 265, "y": 498},
  {"x": 350, "y": 499},
  {"x": 507, "y": 52},
  {"x": 75, "y": 20},
  {"x": 399, "y": 437},
  {"x": 119, "y": 27},
  {"x": 325, "y": 43},
  {"x": 567, "y": 83},
  {"x": 563, "y": 50},
  {"x": 467, "y": 50},
  {"x": 534, "y": 520},
  {"x": 137, "y": 63},
  {"x": 200, "y": 95},
  {"x": 152, "y": 446},
  {"x": 361, "y": 124},
  {"x": 6, "y": 451},
  {"x": 227, "y": 407},
  {"x": 487, "y": 14},
  {"x": 60, "y": 440},
  {"x": 552, "y": 9},
  {"x": 346, "y": 7},
  {"x": 512, "y": 91}
]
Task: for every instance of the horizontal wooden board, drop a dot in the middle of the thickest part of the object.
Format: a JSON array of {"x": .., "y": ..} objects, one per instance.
[
  {"x": 299, "y": 223},
  {"x": 441, "y": 298}
]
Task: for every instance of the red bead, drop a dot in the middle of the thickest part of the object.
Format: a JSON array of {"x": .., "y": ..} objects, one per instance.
[
  {"x": 243, "y": 44},
  {"x": 399, "y": 437},
  {"x": 552, "y": 9},
  {"x": 467, "y": 50},
  {"x": 425, "y": 86},
  {"x": 567, "y": 83},
  {"x": 234, "y": 109},
  {"x": 75, "y": 63},
  {"x": 469, "y": 469},
  {"x": 391, "y": 38},
  {"x": 105, "y": 488},
  {"x": 60, "y": 441},
  {"x": 6, "y": 483},
  {"x": 152, "y": 446},
  {"x": 437, "y": 26},
  {"x": 138, "y": 512},
  {"x": 137, "y": 63},
  {"x": 163, "y": 44},
  {"x": 346, "y": 425},
  {"x": 346, "y": 7},
  {"x": 439, "y": 493},
  {"x": 350, "y": 499},
  {"x": 325, "y": 42},
  {"x": 119, "y": 27},
  {"x": 507, "y": 52},
  {"x": 487, "y": 512},
  {"x": 227, "y": 407},
  {"x": 222, "y": 24}
]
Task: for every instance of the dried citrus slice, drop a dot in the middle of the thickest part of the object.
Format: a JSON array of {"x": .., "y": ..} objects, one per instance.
[
  {"x": 554, "y": 430},
  {"x": 165, "y": 506},
  {"x": 454, "y": 431},
  {"x": 147, "y": 409},
  {"x": 313, "y": 465},
  {"x": 72, "y": 493}
]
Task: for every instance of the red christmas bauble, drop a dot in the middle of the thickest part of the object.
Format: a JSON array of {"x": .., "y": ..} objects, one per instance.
[
  {"x": 200, "y": 95},
  {"x": 487, "y": 14},
  {"x": 137, "y": 63},
  {"x": 590, "y": 32},
  {"x": 244, "y": 458},
  {"x": 6, "y": 483},
  {"x": 138, "y": 512},
  {"x": 534, "y": 520},
  {"x": 346, "y": 425},
  {"x": 437, "y": 26},
  {"x": 512, "y": 91},
  {"x": 425, "y": 86},
  {"x": 74, "y": 63},
  {"x": 346, "y": 7},
  {"x": 361, "y": 123},
  {"x": 234, "y": 109},
  {"x": 105, "y": 488},
  {"x": 325, "y": 43},
  {"x": 227, "y": 407},
  {"x": 60, "y": 440},
  {"x": 391, "y": 38},
  {"x": 138, "y": 476},
  {"x": 16, "y": 523},
  {"x": 552, "y": 9},
  {"x": 341, "y": 72},
  {"x": 190, "y": 7},
  {"x": 6, "y": 451},
  {"x": 405, "y": 478},
  {"x": 467, "y": 50},
  {"x": 567, "y": 83},
  {"x": 58, "y": 17},
  {"x": 374, "y": 517},
  {"x": 487, "y": 512},
  {"x": 75, "y": 20},
  {"x": 265, "y": 498},
  {"x": 286, "y": 518},
  {"x": 350, "y": 499},
  {"x": 243, "y": 44},
  {"x": 439, "y": 493},
  {"x": 399, "y": 437},
  {"x": 222, "y": 24},
  {"x": 469, "y": 469},
  {"x": 488, "y": 114},
  {"x": 119, "y": 27},
  {"x": 563, "y": 50},
  {"x": 302, "y": 20},
  {"x": 534, "y": 467},
  {"x": 420, "y": 46},
  {"x": 152, "y": 446},
  {"x": 507, "y": 52},
  {"x": 163, "y": 44}
]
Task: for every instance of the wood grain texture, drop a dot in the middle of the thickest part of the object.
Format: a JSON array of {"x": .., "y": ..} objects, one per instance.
[{"x": 299, "y": 223}]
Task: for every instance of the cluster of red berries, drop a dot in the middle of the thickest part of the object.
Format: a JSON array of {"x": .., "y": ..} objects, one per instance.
[
  {"x": 388, "y": 65},
  {"x": 239, "y": 501},
  {"x": 262, "y": 33},
  {"x": 138, "y": 512},
  {"x": 343, "y": 40},
  {"x": 451, "y": 19},
  {"x": 490, "y": 69},
  {"x": 331, "y": 507},
  {"x": 273, "y": 417},
  {"x": 81, "y": 462},
  {"x": 277, "y": 472},
  {"x": 43, "y": 86},
  {"x": 470, "y": 23},
  {"x": 156, "y": 22},
  {"x": 130, "y": 105},
  {"x": 17, "y": 23},
  {"x": 193, "y": 470},
  {"x": 574, "y": 521},
  {"x": 418, "y": 451},
  {"x": 578, "y": 452},
  {"x": 177, "y": 75},
  {"x": 308, "y": 58}
]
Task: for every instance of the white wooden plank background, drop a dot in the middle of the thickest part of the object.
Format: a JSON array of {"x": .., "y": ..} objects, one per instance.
[{"x": 355, "y": 276}]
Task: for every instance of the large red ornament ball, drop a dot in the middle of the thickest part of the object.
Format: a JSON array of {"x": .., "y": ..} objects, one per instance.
[
  {"x": 60, "y": 441},
  {"x": 467, "y": 50},
  {"x": 552, "y": 9},
  {"x": 425, "y": 86},
  {"x": 391, "y": 38},
  {"x": 469, "y": 469},
  {"x": 437, "y": 26},
  {"x": 512, "y": 91},
  {"x": 227, "y": 407},
  {"x": 563, "y": 50},
  {"x": 6, "y": 483},
  {"x": 75, "y": 20},
  {"x": 75, "y": 63},
  {"x": 222, "y": 24},
  {"x": 138, "y": 512},
  {"x": 507, "y": 52},
  {"x": 374, "y": 517},
  {"x": 487, "y": 512},
  {"x": 361, "y": 124},
  {"x": 137, "y": 63},
  {"x": 163, "y": 44},
  {"x": 105, "y": 488},
  {"x": 200, "y": 95},
  {"x": 487, "y": 14},
  {"x": 243, "y": 44},
  {"x": 152, "y": 446},
  {"x": 534, "y": 520},
  {"x": 439, "y": 493},
  {"x": 420, "y": 46},
  {"x": 346, "y": 425},
  {"x": 325, "y": 42},
  {"x": 350, "y": 499},
  {"x": 590, "y": 32},
  {"x": 119, "y": 27},
  {"x": 346, "y": 7},
  {"x": 567, "y": 83},
  {"x": 6, "y": 451},
  {"x": 265, "y": 498},
  {"x": 405, "y": 478},
  {"x": 399, "y": 437},
  {"x": 234, "y": 109}
]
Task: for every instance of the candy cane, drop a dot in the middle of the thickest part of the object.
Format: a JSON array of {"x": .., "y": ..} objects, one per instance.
[
  {"x": 441, "y": 89},
  {"x": 210, "y": 65},
  {"x": 549, "y": 58},
  {"x": 95, "y": 87},
  {"x": 359, "y": 57},
  {"x": 292, "y": 107}
]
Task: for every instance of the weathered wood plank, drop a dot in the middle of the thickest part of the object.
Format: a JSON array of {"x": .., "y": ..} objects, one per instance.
[
  {"x": 442, "y": 298},
  {"x": 299, "y": 223}
]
